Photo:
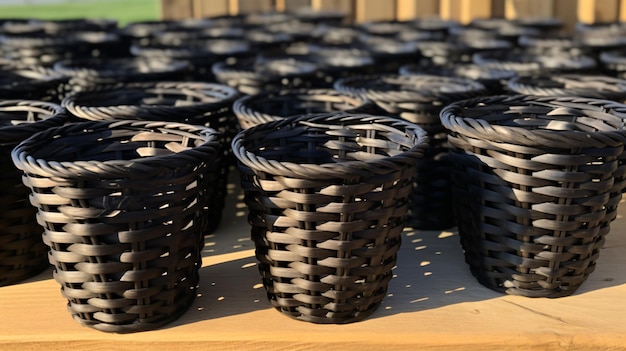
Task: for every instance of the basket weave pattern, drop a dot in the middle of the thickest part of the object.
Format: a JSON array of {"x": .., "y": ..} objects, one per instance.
[
  {"x": 196, "y": 103},
  {"x": 533, "y": 188},
  {"x": 22, "y": 253},
  {"x": 419, "y": 99},
  {"x": 327, "y": 197},
  {"x": 121, "y": 205}
]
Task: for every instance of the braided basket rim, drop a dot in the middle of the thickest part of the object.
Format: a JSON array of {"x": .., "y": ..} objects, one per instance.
[
  {"x": 21, "y": 154},
  {"x": 327, "y": 170},
  {"x": 412, "y": 90},
  {"x": 526, "y": 85},
  {"x": 451, "y": 119},
  {"x": 16, "y": 133},
  {"x": 242, "y": 108},
  {"x": 73, "y": 101}
]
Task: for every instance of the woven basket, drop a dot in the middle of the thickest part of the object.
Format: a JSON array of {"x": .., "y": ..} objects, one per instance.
[
  {"x": 613, "y": 62},
  {"x": 201, "y": 54},
  {"x": 526, "y": 63},
  {"x": 22, "y": 252},
  {"x": 419, "y": 100},
  {"x": 46, "y": 49},
  {"x": 86, "y": 73},
  {"x": 389, "y": 54},
  {"x": 205, "y": 104},
  {"x": 254, "y": 76},
  {"x": 275, "y": 105},
  {"x": 327, "y": 196},
  {"x": 583, "y": 85},
  {"x": 121, "y": 204},
  {"x": 533, "y": 177},
  {"x": 340, "y": 62},
  {"x": 32, "y": 82},
  {"x": 492, "y": 78}
]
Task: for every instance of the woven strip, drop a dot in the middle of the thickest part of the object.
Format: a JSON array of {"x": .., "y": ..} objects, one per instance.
[
  {"x": 206, "y": 104},
  {"x": 269, "y": 106},
  {"x": 419, "y": 99},
  {"x": 533, "y": 178},
  {"x": 121, "y": 205},
  {"x": 22, "y": 252},
  {"x": 327, "y": 196}
]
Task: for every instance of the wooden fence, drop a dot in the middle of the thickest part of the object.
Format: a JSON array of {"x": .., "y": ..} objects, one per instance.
[{"x": 569, "y": 11}]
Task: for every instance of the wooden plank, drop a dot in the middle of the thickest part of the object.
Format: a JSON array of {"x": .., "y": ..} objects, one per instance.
[
  {"x": 450, "y": 9},
  {"x": 344, "y": 6},
  {"x": 566, "y": 11},
  {"x": 176, "y": 9},
  {"x": 598, "y": 11},
  {"x": 292, "y": 5},
  {"x": 622, "y": 10},
  {"x": 374, "y": 10},
  {"x": 209, "y": 8},
  {"x": 465, "y": 11},
  {"x": 497, "y": 8},
  {"x": 410, "y": 9},
  {"x": 473, "y": 9},
  {"x": 528, "y": 9},
  {"x": 250, "y": 6}
]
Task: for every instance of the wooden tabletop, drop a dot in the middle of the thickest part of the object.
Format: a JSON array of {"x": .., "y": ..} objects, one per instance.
[{"x": 433, "y": 303}]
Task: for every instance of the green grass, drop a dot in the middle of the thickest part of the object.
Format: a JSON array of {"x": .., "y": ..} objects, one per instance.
[{"x": 124, "y": 11}]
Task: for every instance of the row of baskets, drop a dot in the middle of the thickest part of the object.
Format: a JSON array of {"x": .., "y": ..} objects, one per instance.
[
  {"x": 124, "y": 203},
  {"x": 126, "y": 174}
]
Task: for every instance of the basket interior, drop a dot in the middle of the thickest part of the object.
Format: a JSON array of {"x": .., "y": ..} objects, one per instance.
[
  {"x": 114, "y": 145},
  {"x": 311, "y": 143},
  {"x": 289, "y": 104}
]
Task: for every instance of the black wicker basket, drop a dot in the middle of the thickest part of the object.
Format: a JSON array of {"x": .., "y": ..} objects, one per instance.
[
  {"x": 91, "y": 72},
  {"x": 121, "y": 206},
  {"x": 32, "y": 82},
  {"x": 22, "y": 252},
  {"x": 205, "y": 104},
  {"x": 274, "y": 105},
  {"x": 583, "y": 85},
  {"x": 201, "y": 54},
  {"x": 327, "y": 196},
  {"x": 254, "y": 76},
  {"x": 494, "y": 79},
  {"x": 419, "y": 99},
  {"x": 532, "y": 180}
]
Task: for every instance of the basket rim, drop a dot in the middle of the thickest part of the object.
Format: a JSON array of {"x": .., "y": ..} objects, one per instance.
[
  {"x": 452, "y": 120},
  {"x": 73, "y": 102},
  {"x": 16, "y": 133},
  {"x": 329, "y": 170},
  {"x": 21, "y": 154},
  {"x": 412, "y": 89},
  {"x": 241, "y": 104},
  {"x": 526, "y": 85}
]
